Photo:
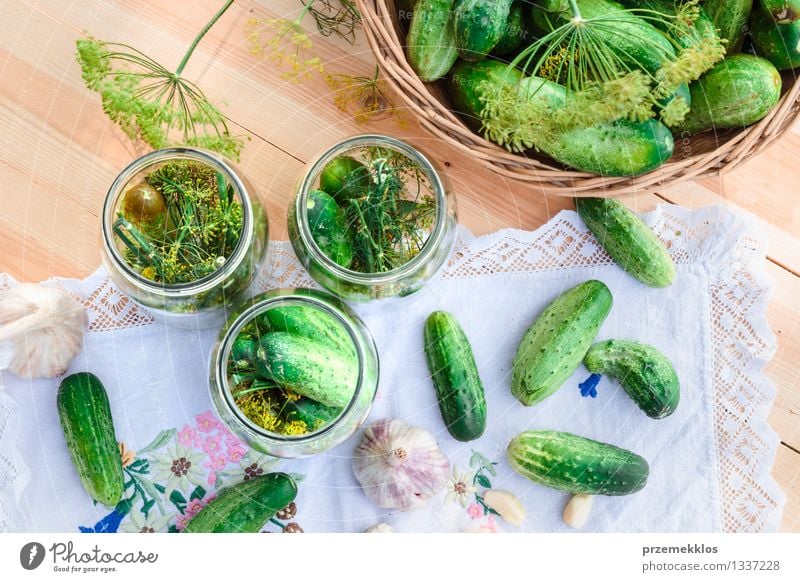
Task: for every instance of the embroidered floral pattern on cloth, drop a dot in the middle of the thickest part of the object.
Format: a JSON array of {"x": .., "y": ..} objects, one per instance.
[{"x": 710, "y": 461}]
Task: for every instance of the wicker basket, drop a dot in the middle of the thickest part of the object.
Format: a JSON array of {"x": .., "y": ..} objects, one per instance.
[{"x": 707, "y": 154}]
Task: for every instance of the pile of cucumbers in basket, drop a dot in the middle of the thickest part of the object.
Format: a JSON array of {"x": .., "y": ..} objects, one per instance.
[{"x": 601, "y": 86}]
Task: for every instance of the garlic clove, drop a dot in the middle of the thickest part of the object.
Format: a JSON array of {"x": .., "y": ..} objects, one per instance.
[
  {"x": 506, "y": 504},
  {"x": 380, "y": 528},
  {"x": 44, "y": 327},
  {"x": 399, "y": 466},
  {"x": 577, "y": 511}
]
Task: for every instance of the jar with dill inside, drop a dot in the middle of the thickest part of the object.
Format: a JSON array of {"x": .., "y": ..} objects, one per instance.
[
  {"x": 183, "y": 235},
  {"x": 372, "y": 219},
  {"x": 294, "y": 372}
]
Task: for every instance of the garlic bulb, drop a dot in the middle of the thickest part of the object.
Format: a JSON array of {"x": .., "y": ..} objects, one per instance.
[
  {"x": 380, "y": 528},
  {"x": 399, "y": 466},
  {"x": 44, "y": 329}
]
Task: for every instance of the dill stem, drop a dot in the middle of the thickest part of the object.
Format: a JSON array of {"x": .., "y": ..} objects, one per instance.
[
  {"x": 576, "y": 12},
  {"x": 199, "y": 37}
]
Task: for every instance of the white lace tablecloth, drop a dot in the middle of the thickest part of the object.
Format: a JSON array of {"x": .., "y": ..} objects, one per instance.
[{"x": 710, "y": 461}]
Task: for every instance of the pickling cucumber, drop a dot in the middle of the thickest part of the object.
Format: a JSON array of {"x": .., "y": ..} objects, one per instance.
[
  {"x": 628, "y": 240},
  {"x": 314, "y": 414},
  {"x": 555, "y": 344},
  {"x": 455, "y": 377},
  {"x": 737, "y": 92},
  {"x": 778, "y": 43},
  {"x": 85, "y": 416},
  {"x": 513, "y": 31},
  {"x": 430, "y": 43},
  {"x": 478, "y": 26},
  {"x": 335, "y": 178},
  {"x": 328, "y": 224},
  {"x": 575, "y": 464},
  {"x": 730, "y": 18},
  {"x": 644, "y": 372},
  {"x": 308, "y": 367},
  {"x": 309, "y": 322},
  {"x": 782, "y": 11},
  {"x": 246, "y": 506}
]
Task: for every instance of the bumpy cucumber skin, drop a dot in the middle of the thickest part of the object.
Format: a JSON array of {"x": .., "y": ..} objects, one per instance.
[
  {"x": 782, "y": 11},
  {"x": 555, "y": 344},
  {"x": 628, "y": 240},
  {"x": 478, "y": 26},
  {"x": 430, "y": 43},
  {"x": 730, "y": 18},
  {"x": 245, "y": 507},
  {"x": 634, "y": 40},
  {"x": 328, "y": 223},
  {"x": 644, "y": 372},
  {"x": 576, "y": 464},
  {"x": 737, "y": 92},
  {"x": 455, "y": 377},
  {"x": 308, "y": 322},
  {"x": 778, "y": 43},
  {"x": 308, "y": 367},
  {"x": 623, "y": 148},
  {"x": 513, "y": 32},
  {"x": 85, "y": 416}
]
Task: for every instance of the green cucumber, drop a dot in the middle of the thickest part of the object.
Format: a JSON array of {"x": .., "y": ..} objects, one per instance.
[
  {"x": 309, "y": 322},
  {"x": 243, "y": 351},
  {"x": 628, "y": 240},
  {"x": 778, "y": 43},
  {"x": 782, "y": 11},
  {"x": 328, "y": 224},
  {"x": 645, "y": 373},
  {"x": 685, "y": 35},
  {"x": 737, "y": 92},
  {"x": 513, "y": 31},
  {"x": 730, "y": 18},
  {"x": 430, "y": 43},
  {"x": 478, "y": 26},
  {"x": 455, "y": 377},
  {"x": 634, "y": 41},
  {"x": 246, "y": 506},
  {"x": 308, "y": 367},
  {"x": 333, "y": 180},
  {"x": 623, "y": 148},
  {"x": 555, "y": 344},
  {"x": 311, "y": 412},
  {"x": 575, "y": 464},
  {"x": 85, "y": 416}
]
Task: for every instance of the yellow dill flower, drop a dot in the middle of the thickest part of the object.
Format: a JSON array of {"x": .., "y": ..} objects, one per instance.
[
  {"x": 291, "y": 395},
  {"x": 285, "y": 43},
  {"x": 690, "y": 64},
  {"x": 365, "y": 98},
  {"x": 149, "y": 273},
  {"x": 295, "y": 428}
]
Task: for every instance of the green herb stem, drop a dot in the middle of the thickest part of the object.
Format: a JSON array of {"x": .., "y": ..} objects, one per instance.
[{"x": 200, "y": 36}]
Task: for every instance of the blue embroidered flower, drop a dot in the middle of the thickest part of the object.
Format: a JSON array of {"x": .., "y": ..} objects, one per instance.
[
  {"x": 589, "y": 386},
  {"x": 109, "y": 524}
]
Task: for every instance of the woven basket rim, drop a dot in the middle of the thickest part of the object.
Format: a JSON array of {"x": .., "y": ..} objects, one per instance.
[{"x": 378, "y": 18}]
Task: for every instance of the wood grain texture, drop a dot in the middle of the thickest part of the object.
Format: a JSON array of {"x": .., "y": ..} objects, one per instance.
[{"x": 59, "y": 153}]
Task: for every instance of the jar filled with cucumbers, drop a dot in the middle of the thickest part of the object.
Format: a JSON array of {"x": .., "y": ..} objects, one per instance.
[
  {"x": 372, "y": 219},
  {"x": 294, "y": 372},
  {"x": 183, "y": 234}
]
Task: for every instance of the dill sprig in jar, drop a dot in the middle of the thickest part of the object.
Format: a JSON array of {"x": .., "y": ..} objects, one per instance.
[
  {"x": 294, "y": 372},
  {"x": 183, "y": 235},
  {"x": 372, "y": 219}
]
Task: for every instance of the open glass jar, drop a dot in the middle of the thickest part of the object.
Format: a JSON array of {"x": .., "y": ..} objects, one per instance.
[
  {"x": 294, "y": 372},
  {"x": 372, "y": 219},
  {"x": 183, "y": 234}
]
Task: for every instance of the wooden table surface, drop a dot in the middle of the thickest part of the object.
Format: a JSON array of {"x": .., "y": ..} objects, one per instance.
[{"x": 59, "y": 153}]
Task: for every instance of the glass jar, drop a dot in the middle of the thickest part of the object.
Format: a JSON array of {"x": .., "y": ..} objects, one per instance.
[
  {"x": 332, "y": 433},
  {"x": 203, "y": 302},
  {"x": 398, "y": 282}
]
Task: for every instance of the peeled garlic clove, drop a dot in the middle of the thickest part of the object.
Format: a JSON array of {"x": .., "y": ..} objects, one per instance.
[
  {"x": 399, "y": 466},
  {"x": 380, "y": 528},
  {"x": 577, "y": 510},
  {"x": 44, "y": 326},
  {"x": 509, "y": 507}
]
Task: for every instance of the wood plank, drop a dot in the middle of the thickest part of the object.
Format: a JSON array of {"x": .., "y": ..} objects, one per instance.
[{"x": 786, "y": 472}]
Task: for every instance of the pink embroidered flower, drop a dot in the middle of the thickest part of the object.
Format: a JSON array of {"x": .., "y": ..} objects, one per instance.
[
  {"x": 475, "y": 511},
  {"x": 212, "y": 478},
  {"x": 212, "y": 445},
  {"x": 193, "y": 507},
  {"x": 216, "y": 463},
  {"x": 491, "y": 524},
  {"x": 187, "y": 436},
  {"x": 207, "y": 422},
  {"x": 181, "y": 521},
  {"x": 232, "y": 441},
  {"x": 235, "y": 454}
]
